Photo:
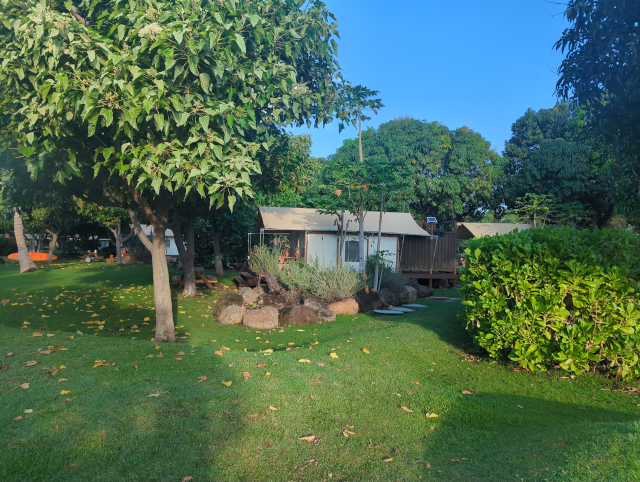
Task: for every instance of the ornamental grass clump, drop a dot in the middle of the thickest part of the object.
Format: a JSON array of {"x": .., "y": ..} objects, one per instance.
[{"x": 547, "y": 297}]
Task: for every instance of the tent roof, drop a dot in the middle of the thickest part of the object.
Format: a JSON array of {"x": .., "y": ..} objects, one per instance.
[
  {"x": 305, "y": 219},
  {"x": 477, "y": 230}
]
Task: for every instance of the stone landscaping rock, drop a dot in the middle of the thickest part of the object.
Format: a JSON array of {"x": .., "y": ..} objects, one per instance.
[
  {"x": 425, "y": 292},
  {"x": 259, "y": 291},
  {"x": 347, "y": 306},
  {"x": 389, "y": 297},
  {"x": 129, "y": 259},
  {"x": 298, "y": 315},
  {"x": 368, "y": 301},
  {"x": 322, "y": 312},
  {"x": 232, "y": 315},
  {"x": 227, "y": 299},
  {"x": 272, "y": 299},
  {"x": 262, "y": 319},
  {"x": 414, "y": 284},
  {"x": 406, "y": 294},
  {"x": 248, "y": 295}
]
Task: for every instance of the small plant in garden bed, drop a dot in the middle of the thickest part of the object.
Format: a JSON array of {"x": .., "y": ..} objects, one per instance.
[{"x": 548, "y": 297}]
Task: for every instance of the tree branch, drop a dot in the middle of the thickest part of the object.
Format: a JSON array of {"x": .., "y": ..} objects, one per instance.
[
  {"x": 136, "y": 224},
  {"x": 142, "y": 202}
]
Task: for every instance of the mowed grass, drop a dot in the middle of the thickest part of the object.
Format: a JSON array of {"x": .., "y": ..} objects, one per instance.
[{"x": 113, "y": 430}]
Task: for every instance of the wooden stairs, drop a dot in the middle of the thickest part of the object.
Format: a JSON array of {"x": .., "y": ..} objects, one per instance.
[{"x": 247, "y": 279}]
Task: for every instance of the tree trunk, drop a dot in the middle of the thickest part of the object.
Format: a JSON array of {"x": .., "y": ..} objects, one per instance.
[
  {"x": 159, "y": 219},
  {"x": 186, "y": 256},
  {"x": 52, "y": 244},
  {"x": 363, "y": 261},
  {"x": 377, "y": 273},
  {"x": 218, "y": 254},
  {"x": 26, "y": 264},
  {"x": 117, "y": 233}
]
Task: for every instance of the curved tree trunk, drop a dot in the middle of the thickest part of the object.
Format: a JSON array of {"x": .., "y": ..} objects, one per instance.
[
  {"x": 186, "y": 256},
  {"x": 52, "y": 245},
  {"x": 159, "y": 219},
  {"x": 376, "y": 277},
  {"x": 218, "y": 254},
  {"x": 26, "y": 264}
]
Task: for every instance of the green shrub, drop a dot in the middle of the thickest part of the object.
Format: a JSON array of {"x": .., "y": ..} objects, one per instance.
[
  {"x": 389, "y": 275},
  {"x": 547, "y": 297},
  {"x": 329, "y": 282},
  {"x": 5, "y": 246}
]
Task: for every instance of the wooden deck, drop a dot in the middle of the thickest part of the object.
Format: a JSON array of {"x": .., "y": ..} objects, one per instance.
[{"x": 451, "y": 279}]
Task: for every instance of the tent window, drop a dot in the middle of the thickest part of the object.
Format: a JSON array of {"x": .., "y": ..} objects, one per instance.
[{"x": 351, "y": 251}]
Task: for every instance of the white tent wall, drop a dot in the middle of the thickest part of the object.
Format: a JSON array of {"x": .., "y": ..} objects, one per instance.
[{"x": 324, "y": 248}]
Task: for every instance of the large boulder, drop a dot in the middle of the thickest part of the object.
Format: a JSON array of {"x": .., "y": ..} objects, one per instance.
[
  {"x": 298, "y": 315},
  {"x": 388, "y": 297},
  {"x": 348, "y": 306},
  {"x": 272, "y": 299},
  {"x": 414, "y": 284},
  {"x": 232, "y": 315},
  {"x": 425, "y": 292},
  {"x": 368, "y": 301},
  {"x": 262, "y": 319},
  {"x": 129, "y": 259},
  {"x": 248, "y": 295},
  {"x": 322, "y": 312},
  {"x": 406, "y": 294},
  {"x": 259, "y": 291},
  {"x": 226, "y": 300}
]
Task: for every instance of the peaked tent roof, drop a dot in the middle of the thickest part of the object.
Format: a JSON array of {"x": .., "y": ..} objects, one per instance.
[
  {"x": 477, "y": 230},
  {"x": 306, "y": 219}
]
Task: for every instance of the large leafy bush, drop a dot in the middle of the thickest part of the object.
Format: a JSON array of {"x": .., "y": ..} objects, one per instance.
[
  {"x": 547, "y": 297},
  {"x": 5, "y": 246}
]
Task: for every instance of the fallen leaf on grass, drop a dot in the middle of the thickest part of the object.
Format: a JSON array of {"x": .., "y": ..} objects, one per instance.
[
  {"x": 302, "y": 360},
  {"x": 246, "y": 376},
  {"x": 416, "y": 383},
  {"x": 154, "y": 395},
  {"x": 261, "y": 365},
  {"x": 44, "y": 352},
  {"x": 62, "y": 366},
  {"x": 53, "y": 372},
  {"x": 180, "y": 353},
  {"x": 218, "y": 352},
  {"x": 270, "y": 350},
  {"x": 4, "y": 367},
  {"x": 202, "y": 379},
  {"x": 8, "y": 354},
  {"x": 520, "y": 406},
  {"x": 346, "y": 433},
  {"x": 31, "y": 363},
  {"x": 227, "y": 384},
  {"x": 25, "y": 386},
  {"x": 99, "y": 363},
  {"x": 271, "y": 407},
  {"x": 225, "y": 348},
  {"x": 267, "y": 374},
  {"x": 64, "y": 392},
  {"x": 406, "y": 409},
  {"x": 308, "y": 438},
  {"x": 29, "y": 410},
  {"x": 79, "y": 332},
  {"x": 62, "y": 380},
  {"x": 455, "y": 460},
  {"x": 178, "y": 358},
  {"x": 69, "y": 400},
  {"x": 466, "y": 392},
  {"x": 364, "y": 350},
  {"x": 306, "y": 464},
  {"x": 388, "y": 460},
  {"x": 159, "y": 355},
  {"x": 58, "y": 348},
  {"x": 432, "y": 415},
  {"x": 19, "y": 417},
  {"x": 186, "y": 479},
  {"x": 36, "y": 333},
  {"x": 333, "y": 355}
]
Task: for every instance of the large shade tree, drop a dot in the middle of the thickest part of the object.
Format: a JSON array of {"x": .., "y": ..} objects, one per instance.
[
  {"x": 171, "y": 98},
  {"x": 601, "y": 72},
  {"x": 551, "y": 154}
]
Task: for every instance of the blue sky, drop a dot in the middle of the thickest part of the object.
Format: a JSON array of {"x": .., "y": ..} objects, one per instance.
[{"x": 463, "y": 63}]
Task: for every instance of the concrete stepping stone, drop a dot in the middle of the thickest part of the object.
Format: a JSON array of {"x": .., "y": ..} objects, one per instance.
[
  {"x": 388, "y": 312},
  {"x": 404, "y": 310},
  {"x": 415, "y": 306}
]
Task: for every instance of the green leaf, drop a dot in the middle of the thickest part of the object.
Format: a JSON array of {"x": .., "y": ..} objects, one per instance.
[
  {"x": 204, "y": 81},
  {"x": 155, "y": 184},
  {"x": 121, "y": 31},
  {"x": 108, "y": 116},
  {"x": 184, "y": 117},
  {"x": 217, "y": 150},
  {"x": 193, "y": 64},
  {"x": 20, "y": 73},
  {"x": 178, "y": 36},
  {"x": 204, "y": 122},
  {"x": 240, "y": 42},
  {"x": 232, "y": 201},
  {"x": 69, "y": 115},
  {"x": 107, "y": 153},
  {"x": 91, "y": 54},
  {"x": 30, "y": 137},
  {"x": 26, "y": 151},
  {"x": 159, "y": 119},
  {"x": 254, "y": 19}
]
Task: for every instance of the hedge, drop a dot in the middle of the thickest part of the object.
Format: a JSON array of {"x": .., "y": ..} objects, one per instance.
[
  {"x": 5, "y": 246},
  {"x": 547, "y": 297}
]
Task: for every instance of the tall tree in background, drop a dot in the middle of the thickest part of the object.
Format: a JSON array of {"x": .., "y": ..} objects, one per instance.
[
  {"x": 170, "y": 98},
  {"x": 551, "y": 154},
  {"x": 601, "y": 72}
]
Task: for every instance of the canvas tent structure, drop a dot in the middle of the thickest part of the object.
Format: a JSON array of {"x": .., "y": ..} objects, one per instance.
[
  {"x": 315, "y": 235},
  {"x": 477, "y": 230}
]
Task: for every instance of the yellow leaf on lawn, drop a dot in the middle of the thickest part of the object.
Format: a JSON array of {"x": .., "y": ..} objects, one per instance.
[
  {"x": 19, "y": 417},
  {"x": 388, "y": 460},
  {"x": 58, "y": 347},
  {"x": 267, "y": 374},
  {"x": 270, "y": 350},
  {"x": 94, "y": 315},
  {"x": 79, "y": 332},
  {"x": 62, "y": 380},
  {"x": 227, "y": 384},
  {"x": 29, "y": 410},
  {"x": 24, "y": 386},
  {"x": 218, "y": 352},
  {"x": 308, "y": 438},
  {"x": 365, "y": 350},
  {"x": 98, "y": 363},
  {"x": 146, "y": 318},
  {"x": 71, "y": 337},
  {"x": 37, "y": 333},
  {"x": 158, "y": 347},
  {"x": 62, "y": 366},
  {"x": 225, "y": 348},
  {"x": 64, "y": 392},
  {"x": 31, "y": 363},
  {"x": 432, "y": 415},
  {"x": 271, "y": 407},
  {"x": 302, "y": 360},
  {"x": 406, "y": 409},
  {"x": 159, "y": 355},
  {"x": 333, "y": 355}
]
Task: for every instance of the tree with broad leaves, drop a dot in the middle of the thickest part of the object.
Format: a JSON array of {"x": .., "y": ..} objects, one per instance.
[
  {"x": 169, "y": 97},
  {"x": 601, "y": 72}
]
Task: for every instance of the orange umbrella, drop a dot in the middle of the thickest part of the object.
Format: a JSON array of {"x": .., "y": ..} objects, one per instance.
[{"x": 33, "y": 256}]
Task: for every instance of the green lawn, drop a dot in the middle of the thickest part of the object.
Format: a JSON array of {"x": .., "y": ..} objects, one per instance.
[{"x": 113, "y": 430}]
